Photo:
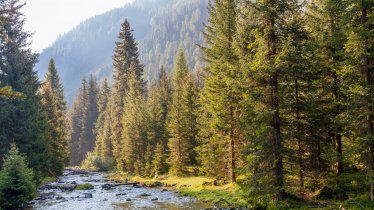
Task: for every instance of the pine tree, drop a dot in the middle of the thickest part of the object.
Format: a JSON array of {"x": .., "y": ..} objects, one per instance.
[
  {"x": 55, "y": 108},
  {"x": 327, "y": 18},
  {"x": 125, "y": 54},
  {"x": 22, "y": 121},
  {"x": 222, "y": 94},
  {"x": 134, "y": 137},
  {"x": 267, "y": 54},
  {"x": 103, "y": 148},
  {"x": 159, "y": 161},
  {"x": 360, "y": 49},
  {"x": 87, "y": 138},
  {"x": 159, "y": 96},
  {"x": 181, "y": 118},
  {"x": 16, "y": 181},
  {"x": 75, "y": 121}
]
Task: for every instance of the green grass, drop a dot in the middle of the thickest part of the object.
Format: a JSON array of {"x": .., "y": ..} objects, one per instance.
[
  {"x": 230, "y": 195},
  {"x": 84, "y": 187},
  {"x": 225, "y": 195},
  {"x": 359, "y": 202},
  {"x": 47, "y": 180}
]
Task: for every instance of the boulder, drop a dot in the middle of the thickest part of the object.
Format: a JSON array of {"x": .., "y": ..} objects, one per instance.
[{"x": 87, "y": 195}]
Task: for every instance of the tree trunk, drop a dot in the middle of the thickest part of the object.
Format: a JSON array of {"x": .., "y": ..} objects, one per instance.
[
  {"x": 232, "y": 150},
  {"x": 298, "y": 131},
  {"x": 367, "y": 70},
  {"x": 274, "y": 103},
  {"x": 339, "y": 151}
]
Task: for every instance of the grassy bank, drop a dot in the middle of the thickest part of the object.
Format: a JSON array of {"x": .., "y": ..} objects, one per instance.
[
  {"x": 201, "y": 188},
  {"x": 229, "y": 195}
]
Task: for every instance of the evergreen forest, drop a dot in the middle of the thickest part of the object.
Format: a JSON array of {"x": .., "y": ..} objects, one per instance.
[{"x": 270, "y": 103}]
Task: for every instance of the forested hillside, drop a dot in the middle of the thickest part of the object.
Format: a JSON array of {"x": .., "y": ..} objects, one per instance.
[
  {"x": 280, "y": 117},
  {"x": 159, "y": 27}
]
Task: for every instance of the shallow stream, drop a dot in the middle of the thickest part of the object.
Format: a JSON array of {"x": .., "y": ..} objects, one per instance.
[{"x": 60, "y": 196}]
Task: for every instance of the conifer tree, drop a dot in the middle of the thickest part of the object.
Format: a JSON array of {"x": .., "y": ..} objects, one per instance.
[
  {"x": 87, "y": 138},
  {"x": 181, "y": 119},
  {"x": 159, "y": 96},
  {"x": 16, "y": 181},
  {"x": 55, "y": 108},
  {"x": 103, "y": 147},
  {"x": 221, "y": 94},
  {"x": 360, "y": 49},
  {"x": 22, "y": 121},
  {"x": 75, "y": 121},
  {"x": 266, "y": 55},
  {"x": 327, "y": 19},
  {"x": 125, "y": 54},
  {"x": 134, "y": 137}
]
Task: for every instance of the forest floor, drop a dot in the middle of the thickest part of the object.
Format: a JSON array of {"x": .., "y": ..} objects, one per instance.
[{"x": 230, "y": 195}]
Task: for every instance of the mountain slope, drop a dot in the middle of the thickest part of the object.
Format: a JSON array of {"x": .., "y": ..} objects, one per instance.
[{"x": 159, "y": 26}]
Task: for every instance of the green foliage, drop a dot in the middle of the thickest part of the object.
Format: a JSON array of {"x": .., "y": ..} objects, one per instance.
[
  {"x": 182, "y": 124},
  {"x": 222, "y": 94},
  {"x": 94, "y": 162},
  {"x": 158, "y": 26},
  {"x": 55, "y": 107},
  {"x": 85, "y": 186},
  {"x": 83, "y": 117},
  {"x": 23, "y": 122},
  {"x": 361, "y": 201},
  {"x": 125, "y": 62},
  {"x": 134, "y": 139},
  {"x": 16, "y": 181},
  {"x": 103, "y": 147}
]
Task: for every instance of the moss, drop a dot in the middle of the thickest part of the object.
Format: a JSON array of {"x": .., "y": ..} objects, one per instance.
[
  {"x": 47, "y": 180},
  {"x": 84, "y": 187}
]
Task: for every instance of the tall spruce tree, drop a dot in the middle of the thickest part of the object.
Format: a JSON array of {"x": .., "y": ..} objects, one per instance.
[
  {"x": 182, "y": 120},
  {"x": 326, "y": 20},
  {"x": 158, "y": 101},
  {"x": 221, "y": 94},
  {"x": 271, "y": 67},
  {"x": 55, "y": 107},
  {"x": 75, "y": 121},
  {"x": 87, "y": 138},
  {"x": 22, "y": 121},
  {"x": 125, "y": 54},
  {"x": 134, "y": 137},
  {"x": 360, "y": 49},
  {"x": 103, "y": 147}
]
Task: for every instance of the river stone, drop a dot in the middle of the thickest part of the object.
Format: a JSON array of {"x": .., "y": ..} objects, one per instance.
[
  {"x": 87, "y": 195},
  {"x": 128, "y": 199},
  {"x": 154, "y": 199},
  {"x": 59, "y": 198}
]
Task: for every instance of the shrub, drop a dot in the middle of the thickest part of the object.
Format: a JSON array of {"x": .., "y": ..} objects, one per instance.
[
  {"x": 16, "y": 181},
  {"x": 86, "y": 186},
  {"x": 94, "y": 162}
]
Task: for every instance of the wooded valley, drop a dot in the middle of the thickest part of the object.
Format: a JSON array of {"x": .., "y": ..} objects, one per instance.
[{"x": 280, "y": 112}]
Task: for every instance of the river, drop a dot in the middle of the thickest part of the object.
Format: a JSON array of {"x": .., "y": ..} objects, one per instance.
[{"x": 106, "y": 195}]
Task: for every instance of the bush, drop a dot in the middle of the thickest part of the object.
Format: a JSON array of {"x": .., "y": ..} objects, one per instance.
[
  {"x": 84, "y": 187},
  {"x": 96, "y": 163},
  {"x": 16, "y": 181}
]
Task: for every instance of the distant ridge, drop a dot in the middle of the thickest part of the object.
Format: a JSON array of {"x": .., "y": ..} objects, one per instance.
[{"x": 159, "y": 26}]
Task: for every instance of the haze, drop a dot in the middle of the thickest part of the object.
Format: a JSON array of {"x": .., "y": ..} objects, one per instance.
[{"x": 48, "y": 19}]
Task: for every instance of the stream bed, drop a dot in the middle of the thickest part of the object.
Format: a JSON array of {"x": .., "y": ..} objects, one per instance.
[{"x": 107, "y": 195}]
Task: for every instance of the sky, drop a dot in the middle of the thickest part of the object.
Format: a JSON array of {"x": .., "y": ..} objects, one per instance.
[{"x": 48, "y": 19}]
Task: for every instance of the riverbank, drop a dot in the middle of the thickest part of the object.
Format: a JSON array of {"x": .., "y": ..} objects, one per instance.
[
  {"x": 202, "y": 188},
  {"x": 85, "y": 189},
  {"x": 229, "y": 195}
]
